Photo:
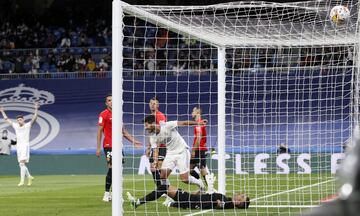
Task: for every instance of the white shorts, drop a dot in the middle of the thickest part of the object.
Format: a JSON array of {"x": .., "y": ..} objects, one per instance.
[
  {"x": 181, "y": 161},
  {"x": 23, "y": 153}
]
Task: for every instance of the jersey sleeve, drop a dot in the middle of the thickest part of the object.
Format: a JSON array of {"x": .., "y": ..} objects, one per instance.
[
  {"x": 101, "y": 120},
  {"x": 28, "y": 125},
  {"x": 170, "y": 125}
]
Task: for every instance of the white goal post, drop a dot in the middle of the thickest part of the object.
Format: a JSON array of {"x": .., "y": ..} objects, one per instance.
[{"x": 283, "y": 76}]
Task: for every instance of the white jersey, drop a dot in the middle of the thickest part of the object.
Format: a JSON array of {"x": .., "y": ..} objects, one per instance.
[
  {"x": 22, "y": 134},
  {"x": 5, "y": 146},
  {"x": 169, "y": 135}
]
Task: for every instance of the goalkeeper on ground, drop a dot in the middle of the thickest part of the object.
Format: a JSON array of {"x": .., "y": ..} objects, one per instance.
[{"x": 183, "y": 199}]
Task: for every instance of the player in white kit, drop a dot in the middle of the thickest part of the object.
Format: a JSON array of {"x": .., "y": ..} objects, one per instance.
[
  {"x": 177, "y": 154},
  {"x": 22, "y": 131}
]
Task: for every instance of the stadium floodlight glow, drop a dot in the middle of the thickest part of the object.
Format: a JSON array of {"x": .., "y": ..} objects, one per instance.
[{"x": 278, "y": 83}]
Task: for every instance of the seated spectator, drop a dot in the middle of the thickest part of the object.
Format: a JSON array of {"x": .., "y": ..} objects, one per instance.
[
  {"x": 91, "y": 65},
  {"x": 86, "y": 55},
  {"x": 103, "y": 66},
  {"x": 83, "y": 40},
  {"x": 65, "y": 41},
  {"x": 19, "y": 65}
]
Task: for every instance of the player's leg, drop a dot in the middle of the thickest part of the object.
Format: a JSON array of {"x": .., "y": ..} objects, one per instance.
[
  {"x": 22, "y": 173},
  {"x": 23, "y": 155},
  {"x": 204, "y": 170},
  {"x": 183, "y": 163},
  {"x": 194, "y": 161},
  {"x": 108, "y": 178},
  {"x": 154, "y": 171},
  {"x": 167, "y": 166},
  {"x": 154, "y": 195},
  {"x": 27, "y": 172}
]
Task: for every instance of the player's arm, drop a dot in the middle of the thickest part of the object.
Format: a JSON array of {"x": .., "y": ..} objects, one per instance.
[
  {"x": 98, "y": 140},
  {"x": 36, "y": 107},
  {"x": 148, "y": 147},
  {"x": 191, "y": 123},
  {"x": 156, "y": 157},
  {"x": 5, "y": 116},
  {"x": 131, "y": 139}
]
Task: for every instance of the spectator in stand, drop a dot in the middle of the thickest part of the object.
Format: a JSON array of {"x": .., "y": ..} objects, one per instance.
[
  {"x": 65, "y": 41},
  {"x": 103, "y": 66},
  {"x": 1, "y": 66},
  {"x": 80, "y": 64},
  {"x": 91, "y": 65},
  {"x": 83, "y": 40},
  {"x": 50, "y": 58},
  {"x": 100, "y": 40},
  {"x": 86, "y": 55},
  {"x": 19, "y": 65},
  {"x": 150, "y": 63},
  {"x": 35, "y": 61}
]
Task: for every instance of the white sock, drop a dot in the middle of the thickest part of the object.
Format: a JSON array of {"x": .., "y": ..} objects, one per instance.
[
  {"x": 22, "y": 172},
  {"x": 198, "y": 182},
  {"x": 27, "y": 173}
]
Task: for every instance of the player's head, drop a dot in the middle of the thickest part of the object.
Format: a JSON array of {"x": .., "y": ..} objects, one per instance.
[
  {"x": 149, "y": 123},
  {"x": 241, "y": 201},
  {"x": 154, "y": 104},
  {"x": 20, "y": 119},
  {"x": 108, "y": 101},
  {"x": 196, "y": 112}
]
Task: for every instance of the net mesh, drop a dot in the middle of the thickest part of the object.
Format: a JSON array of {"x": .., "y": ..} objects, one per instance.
[{"x": 289, "y": 95}]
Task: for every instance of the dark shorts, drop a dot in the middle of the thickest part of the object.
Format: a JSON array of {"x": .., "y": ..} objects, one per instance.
[
  {"x": 161, "y": 156},
  {"x": 200, "y": 158},
  {"x": 108, "y": 155}
]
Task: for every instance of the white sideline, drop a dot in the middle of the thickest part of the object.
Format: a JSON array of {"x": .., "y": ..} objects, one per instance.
[
  {"x": 276, "y": 194},
  {"x": 292, "y": 190}
]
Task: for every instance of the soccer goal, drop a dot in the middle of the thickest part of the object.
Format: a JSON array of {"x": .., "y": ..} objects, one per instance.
[{"x": 277, "y": 82}]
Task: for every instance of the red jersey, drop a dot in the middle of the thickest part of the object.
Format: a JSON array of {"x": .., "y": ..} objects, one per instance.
[
  {"x": 105, "y": 120},
  {"x": 200, "y": 130},
  {"x": 159, "y": 116}
]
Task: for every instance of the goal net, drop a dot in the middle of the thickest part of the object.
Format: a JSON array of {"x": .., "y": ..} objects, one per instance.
[{"x": 276, "y": 82}]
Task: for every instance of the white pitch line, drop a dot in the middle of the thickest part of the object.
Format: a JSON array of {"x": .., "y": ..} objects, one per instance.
[
  {"x": 276, "y": 194},
  {"x": 283, "y": 206},
  {"x": 197, "y": 213},
  {"x": 292, "y": 190}
]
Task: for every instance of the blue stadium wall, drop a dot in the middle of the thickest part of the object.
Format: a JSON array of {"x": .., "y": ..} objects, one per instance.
[{"x": 78, "y": 102}]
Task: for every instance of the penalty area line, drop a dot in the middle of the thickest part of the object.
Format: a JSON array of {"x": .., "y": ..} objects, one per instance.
[{"x": 292, "y": 190}]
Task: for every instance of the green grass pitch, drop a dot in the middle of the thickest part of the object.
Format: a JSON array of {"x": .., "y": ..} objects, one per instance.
[{"x": 81, "y": 195}]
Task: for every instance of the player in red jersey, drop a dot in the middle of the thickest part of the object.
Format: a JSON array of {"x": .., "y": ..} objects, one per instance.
[
  {"x": 199, "y": 149},
  {"x": 156, "y": 153},
  {"x": 105, "y": 127}
]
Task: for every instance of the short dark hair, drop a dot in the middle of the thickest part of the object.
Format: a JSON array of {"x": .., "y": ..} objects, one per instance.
[
  {"x": 245, "y": 204},
  {"x": 150, "y": 119},
  {"x": 155, "y": 98},
  {"x": 19, "y": 116},
  {"x": 108, "y": 95}
]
